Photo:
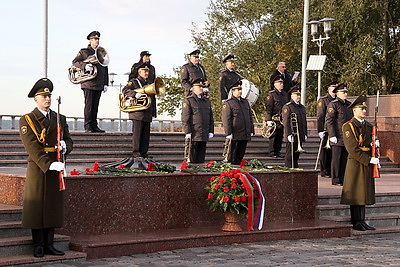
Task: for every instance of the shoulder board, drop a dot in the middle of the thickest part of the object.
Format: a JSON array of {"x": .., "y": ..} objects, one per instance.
[{"x": 348, "y": 122}]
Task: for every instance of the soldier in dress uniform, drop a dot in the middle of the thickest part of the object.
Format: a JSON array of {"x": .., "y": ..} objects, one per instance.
[
  {"x": 294, "y": 135},
  {"x": 273, "y": 107},
  {"x": 359, "y": 185},
  {"x": 193, "y": 71},
  {"x": 325, "y": 157},
  {"x": 238, "y": 124},
  {"x": 93, "y": 88},
  {"x": 141, "y": 119},
  {"x": 228, "y": 76},
  {"x": 144, "y": 59},
  {"x": 197, "y": 122},
  {"x": 43, "y": 207},
  {"x": 338, "y": 112}
]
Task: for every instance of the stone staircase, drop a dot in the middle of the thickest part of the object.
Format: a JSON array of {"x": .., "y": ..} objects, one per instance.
[
  {"x": 384, "y": 215},
  {"x": 164, "y": 147},
  {"x": 16, "y": 243}
]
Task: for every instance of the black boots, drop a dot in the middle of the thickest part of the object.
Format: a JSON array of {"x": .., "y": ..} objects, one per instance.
[
  {"x": 43, "y": 242},
  {"x": 357, "y": 213}
]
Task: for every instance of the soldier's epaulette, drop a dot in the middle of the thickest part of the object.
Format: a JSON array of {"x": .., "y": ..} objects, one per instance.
[
  {"x": 335, "y": 100},
  {"x": 349, "y": 121}
]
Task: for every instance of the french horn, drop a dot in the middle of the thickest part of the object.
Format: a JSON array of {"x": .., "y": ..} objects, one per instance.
[
  {"x": 131, "y": 104},
  {"x": 77, "y": 75},
  {"x": 269, "y": 131}
]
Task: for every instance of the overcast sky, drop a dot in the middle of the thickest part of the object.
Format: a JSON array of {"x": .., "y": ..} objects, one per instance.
[{"x": 127, "y": 27}]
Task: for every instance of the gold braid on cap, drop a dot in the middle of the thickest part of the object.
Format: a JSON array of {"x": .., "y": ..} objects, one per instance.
[{"x": 42, "y": 137}]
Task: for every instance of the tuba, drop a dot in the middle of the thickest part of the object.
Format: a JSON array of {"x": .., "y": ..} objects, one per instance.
[
  {"x": 269, "y": 131},
  {"x": 77, "y": 75},
  {"x": 131, "y": 104}
]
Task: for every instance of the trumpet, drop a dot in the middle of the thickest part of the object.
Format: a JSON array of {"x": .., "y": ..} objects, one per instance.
[
  {"x": 227, "y": 149},
  {"x": 327, "y": 146},
  {"x": 186, "y": 154},
  {"x": 295, "y": 131}
]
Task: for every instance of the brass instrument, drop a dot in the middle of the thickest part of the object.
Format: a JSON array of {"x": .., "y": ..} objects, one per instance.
[
  {"x": 295, "y": 131},
  {"x": 327, "y": 146},
  {"x": 269, "y": 131},
  {"x": 186, "y": 154},
  {"x": 77, "y": 75},
  {"x": 227, "y": 149},
  {"x": 319, "y": 151},
  {"x": 131, "y": 104}
]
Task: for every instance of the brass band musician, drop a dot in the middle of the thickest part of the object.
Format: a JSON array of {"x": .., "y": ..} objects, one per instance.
[
  {"x": 193, "y": 71},
  {"x": 228, "y": 76}
]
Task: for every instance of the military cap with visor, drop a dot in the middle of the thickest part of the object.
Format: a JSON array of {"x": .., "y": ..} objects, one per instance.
[
  {"x": 195, "y": 53},
  {"x": 144, "y": 53},
  {"x": 93, "y": 34},
  {"x": 359, "y": 102},
  {"x": 277, "y": 78},
  {"x": 42, "y": 87},
  {"x": 198, "y": 82},
  {"x": 229, "y": 57},
  {"x": 236, "y": 85},
  {"x": 295, "y": 90},
  {"x": 341, "y": 88},
  {"x": 331, "y": 84}
]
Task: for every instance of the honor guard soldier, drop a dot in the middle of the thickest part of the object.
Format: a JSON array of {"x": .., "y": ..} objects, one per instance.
[
  {"x": 273, "y": 106},
  {"x": 92, "y": 88},
  {"x": 228, "y": 76},
  {"x": 295, "y": 127},
  {"x": 238, "y": 124},
  {"x": 285, "y": 75},
  {"x": 325, "y": 158},
  {"x": 338, "y": 112},
  {"x": 359, "y": 185},
  {"x": 43, "y": 201},
  {"x": 141, "y": 119},
  {"x": 193, "y": 71},
  {"x": 144, "y": 59},
  {"x": 197, "y": 122}
]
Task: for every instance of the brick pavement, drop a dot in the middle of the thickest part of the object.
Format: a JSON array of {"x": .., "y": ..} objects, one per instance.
[{"x": 367, "y": 250}]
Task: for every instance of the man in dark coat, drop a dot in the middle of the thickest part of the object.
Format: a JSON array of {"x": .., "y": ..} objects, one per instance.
[
  {"x": 359, "y": 185},
  {"x": 273, "y": 107},
  {"x": 141, "y": 119},
  {"x": 338, "y": 112},
  {"x": 193, "y": 71},
  {"x": 228, "y": 77},
  {"x": 144, "y": 59},
  {"x": 93, "y": 88},
  {"x": 238, "y": 124},
  {"x": 325, "y": 156},
  {"x": 285, "y": 75},
  {"x": 43, "y": 207},
  {"x": 295, "y": 133},
  {"x": 197, "y": 122}
]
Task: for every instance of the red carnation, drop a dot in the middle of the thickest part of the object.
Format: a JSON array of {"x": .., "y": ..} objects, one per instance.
[
  {"x": 226, "y": 199},
  {"x": 237, "y": 199},
  {"x": 243, "y": 198},
  {"x": 226, "y": 189},
  {"x": 218, "y": 198},
  {"x": 237, "y": 175},
  {"x": 233, "y": 186},
  {"x": 210, "y": 163},
  {"x": 210, "y": 196},
  {"x": 74, "y": 172},
  {"x": 183, "y": 166},
  {"x": 222, "y": 181},
  {"x": 151, "y": 167},
  {"x": 234, "y": 180},
  {"x": 120, "y": 166},
  {"x": 216, "y": 186},
  {"x": 242, "y": 164},
  {"x": 96, "y": 166},
  {"x": 88, "y": 170},
  {"x": 213, "y": 178}
]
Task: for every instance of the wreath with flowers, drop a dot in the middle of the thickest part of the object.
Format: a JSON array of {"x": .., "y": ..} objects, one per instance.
[{"x": 238, "y": 192}]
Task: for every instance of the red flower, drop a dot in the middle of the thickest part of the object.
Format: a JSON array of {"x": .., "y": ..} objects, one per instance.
[
  {"x": 236, "y": 171},
  {"x": 88, "y": 170},
  {"x": 120, "y": 166},
  {"x": 226, "y": 199},
  {"x": 210, "y": 163},
  {"x": 96, "y": 166},
  {"x": 216, "y": 186},
  {"x": 74, "y": 172},
  {"x": 210, "y": 196},
  {"x": 242, "y": 164},
  {"x": 213, "y": 178},
  {"x": 222, "y": 181},
  {"x": 234, "y": 180},
  {"x": 243, "y": 198},
  {"x": 183, "y": 166},
  {"x": 226, "y": 189},
  {"x": 233, "y": 186},
  {"x": 237, "y": 175},
  {"x": 151, "y": 167},
  {"x": 237, "y": 199},
  {"x": 213, "y": 211},
  {"x": 218, "y": 198}
]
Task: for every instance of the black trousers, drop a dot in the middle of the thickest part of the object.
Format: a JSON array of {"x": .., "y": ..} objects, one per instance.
[
  {"x": 288, "y": 155},
  {"x": 92, "y": 100},
  {"x": 275, "y": 142},
  {"x": 238, "y": 149},
  {"x": 140, "y": 138},
  {"x": 325, "y": 158},
  {"x": 198, "y": 151},
  {"x": 339, "y": 160}
]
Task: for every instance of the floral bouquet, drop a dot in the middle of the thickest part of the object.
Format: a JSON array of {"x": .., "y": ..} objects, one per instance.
[{"x": 238, "y": 192}]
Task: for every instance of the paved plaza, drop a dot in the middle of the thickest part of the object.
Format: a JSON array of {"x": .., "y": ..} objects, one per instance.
[{"x": 366, "y": 250}]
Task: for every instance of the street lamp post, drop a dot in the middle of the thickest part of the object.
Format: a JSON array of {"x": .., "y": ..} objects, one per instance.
[{"x": 327, "y": 22}]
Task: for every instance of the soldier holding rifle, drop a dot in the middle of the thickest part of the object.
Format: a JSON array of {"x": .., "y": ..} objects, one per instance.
[
  {"x": 359, "y": 185},
  {"x": 43, "y": 201}
]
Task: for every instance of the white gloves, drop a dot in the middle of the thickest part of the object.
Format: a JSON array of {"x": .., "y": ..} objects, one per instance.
[
  {"x": 377, "y": 143},
  {"x": 229, "y": 136},
  {"x": 56, "y": 166},
  {"x": 88, "y": 67},
  {"x": 205, "y": 90},
  {"x": 252, "y": 134},
  {"x": 138, "y": 95},
  {"x": 305, "y": 138},
  {"x": 374, "y": 160},
  {"x": 321, "y": 135},
  {"x": 63, "y": 146},
  {"x": 333, "y": 139},
  {"x": 188, "y": 136},
  {"x": 210, "y": 135},
  {"x": 269, "y": 123},
  {"x": 105, "y": 88},
  {"x": 290, "y": 138}
]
